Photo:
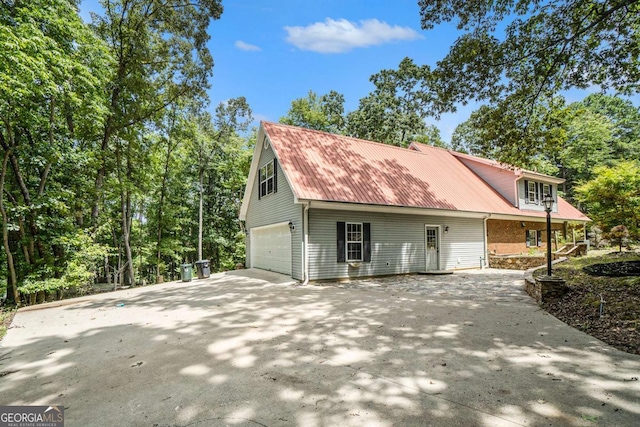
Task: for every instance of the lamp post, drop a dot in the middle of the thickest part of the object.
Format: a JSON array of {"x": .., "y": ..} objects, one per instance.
[{"x": 548, "y": 205}]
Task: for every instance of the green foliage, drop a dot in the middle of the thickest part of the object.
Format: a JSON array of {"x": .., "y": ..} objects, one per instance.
[
  {"x": 529, "y": 49},
  {"x": 431, "y": 136},
  {"x": 612, "y": 197},
  {"x": 394, "y": 113},
  {"x": 324, "y": 113},
  {"x": 618, "y": 235},
  {"x": 107, "y": 146}
]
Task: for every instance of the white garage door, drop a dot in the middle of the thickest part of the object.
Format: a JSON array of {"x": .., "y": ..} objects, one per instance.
[{"x": 271, "y": 248}]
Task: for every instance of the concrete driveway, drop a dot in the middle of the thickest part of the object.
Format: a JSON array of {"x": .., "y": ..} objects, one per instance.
[{"x": 241, "y": 351}]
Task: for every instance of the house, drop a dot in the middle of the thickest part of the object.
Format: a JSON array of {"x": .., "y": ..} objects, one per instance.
[{"x": 320, "y": 206}]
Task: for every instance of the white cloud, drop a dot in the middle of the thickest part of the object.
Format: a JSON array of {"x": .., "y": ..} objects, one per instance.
[
  {"x": 246, "y": 46},
  {"x": 339, "y": 36}
]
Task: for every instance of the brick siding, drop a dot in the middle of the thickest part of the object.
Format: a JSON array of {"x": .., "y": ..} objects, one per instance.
[{"x": 509, "y": 237}]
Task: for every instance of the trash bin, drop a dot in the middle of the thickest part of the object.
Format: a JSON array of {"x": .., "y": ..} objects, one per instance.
[
  {"x": 202, "y": 268},
  {"x": 186, "y": 272}
]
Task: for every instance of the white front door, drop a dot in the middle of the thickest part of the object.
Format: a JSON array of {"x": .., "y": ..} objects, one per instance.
[
  {"x": 271, "y": 248},
  {"x": 432, "y": 246}
]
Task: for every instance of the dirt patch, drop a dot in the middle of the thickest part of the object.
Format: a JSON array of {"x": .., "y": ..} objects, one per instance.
[{"x": 606, "y": 307}]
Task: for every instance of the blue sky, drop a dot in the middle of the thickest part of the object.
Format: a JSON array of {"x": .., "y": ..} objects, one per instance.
[{"x": 272, "y": 52}]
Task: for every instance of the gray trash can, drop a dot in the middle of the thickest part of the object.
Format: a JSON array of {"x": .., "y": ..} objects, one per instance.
[
  {"x": 186, "y": 272},
  {"x": 203, "y": 269}
]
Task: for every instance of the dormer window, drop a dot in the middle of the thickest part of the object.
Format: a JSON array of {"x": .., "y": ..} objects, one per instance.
[{"x": 533, "y": 194}]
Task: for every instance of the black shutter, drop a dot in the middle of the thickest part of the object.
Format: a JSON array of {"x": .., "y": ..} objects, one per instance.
[
  {"x": 275, "y": 176},
  {"x": 526, "y": 238},
  {"x": 341, "y": 243},
  {"x": 551, "y": 190},
  {"x": 259, "y": 186},
  {"x": 539, "y": 236},
  {"x": 366, "y": 242},
  {"x": 526, "y": 191}
]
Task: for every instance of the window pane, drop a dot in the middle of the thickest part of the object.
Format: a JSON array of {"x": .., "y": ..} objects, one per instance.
[
  {"x": 263, "y": 188},
  {"x": 354, "y": 251},
  {"x": 270, "y": 169},
  {"x": 262, "y": 174},
  {"x": 269, "y": 185}
]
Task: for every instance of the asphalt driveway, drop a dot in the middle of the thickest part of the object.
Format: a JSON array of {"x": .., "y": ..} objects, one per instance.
[{"x": 241, "y": 351}]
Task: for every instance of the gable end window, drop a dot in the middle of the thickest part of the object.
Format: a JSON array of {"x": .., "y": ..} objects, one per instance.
[
  {"x": 354, "y": 241},
  {"x": 268, "y": 179}
]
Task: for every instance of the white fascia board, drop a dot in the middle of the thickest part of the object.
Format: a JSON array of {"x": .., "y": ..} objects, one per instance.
[
  {"x": 541, "y": 177},
  {"x": 253, "y": 171},
  {"x": 360, "y": 207}
]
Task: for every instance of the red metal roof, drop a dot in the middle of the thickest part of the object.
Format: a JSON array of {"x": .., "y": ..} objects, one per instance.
[{"x": 327, "y": 167}]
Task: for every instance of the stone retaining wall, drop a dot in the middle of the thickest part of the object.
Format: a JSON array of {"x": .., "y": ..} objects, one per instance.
[{"x": 519, "y": 262}]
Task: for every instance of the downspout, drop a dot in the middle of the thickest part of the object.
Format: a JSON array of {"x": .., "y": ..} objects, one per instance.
[
  {"x": 305, "y": 243},
  {"x": 486, "y": 243}
]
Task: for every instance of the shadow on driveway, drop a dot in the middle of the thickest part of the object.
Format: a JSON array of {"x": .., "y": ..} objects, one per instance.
[{"x": 237, "y": 350}]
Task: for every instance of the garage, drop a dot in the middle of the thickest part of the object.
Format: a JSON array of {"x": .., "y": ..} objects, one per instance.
[{"x": 271, "y": 248}]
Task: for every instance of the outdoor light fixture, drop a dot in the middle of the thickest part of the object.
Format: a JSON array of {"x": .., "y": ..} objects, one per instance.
[
  {"x": 446, "y": 229},
  {"x": 548, "y": 205},
  {"x": 291, "y": 226},
  {"x": 522, "y": 224}
]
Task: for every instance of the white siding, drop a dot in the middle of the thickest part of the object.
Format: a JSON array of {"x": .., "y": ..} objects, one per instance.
[
  {"x": 525, "y": 206},
  {"x": 397, "y": 243},
  {"x": 275, "y": 208}
]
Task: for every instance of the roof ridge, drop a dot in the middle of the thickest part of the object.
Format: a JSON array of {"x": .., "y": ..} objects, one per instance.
[
  {"x": 340, "y": 136},
  {"x": 448, "y": 150}
]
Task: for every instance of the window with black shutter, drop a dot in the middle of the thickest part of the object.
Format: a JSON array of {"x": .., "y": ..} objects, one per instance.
[
  {"x": 268, "y": 179},
  {"x": 354, "y": 241}
]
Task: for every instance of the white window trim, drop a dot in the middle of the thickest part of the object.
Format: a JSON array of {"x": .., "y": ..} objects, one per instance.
[
  {"x": 536, "y": 241},
  {"x": 267, "y": 178},
  {"x": 347, "y": 241},
  {"x": 547, "y": 191},
  {"x": 532, "y": 194}
]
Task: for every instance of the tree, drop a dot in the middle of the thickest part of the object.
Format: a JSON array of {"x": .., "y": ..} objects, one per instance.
[
  {"x": 431, "y": 136},
  {"x": 324, "y": 113},
  {"x": 529, "y": 50},
  {"x": 625, "y": 120},
  {"x": 612, "y": 197},
  {"x": 587, "y": 145},
  {"x": 210, "y": 140},
  {"x": 497, "y": 132},
  {"x": 52, "y": 73},
  {"x": 161, "y": 58},
  {"x": 394, "y": 113},
  {"x": 618, "y": 235}
]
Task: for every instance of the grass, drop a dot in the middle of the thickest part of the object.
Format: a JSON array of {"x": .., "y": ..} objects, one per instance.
[{"x": 619, "y": 324}]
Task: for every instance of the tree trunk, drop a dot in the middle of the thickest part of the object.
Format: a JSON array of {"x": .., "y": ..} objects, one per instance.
[
  {"x": 200, "y": 215},
  {"x": 12, "y": 291},
  {"x": 163, "y": 190}
]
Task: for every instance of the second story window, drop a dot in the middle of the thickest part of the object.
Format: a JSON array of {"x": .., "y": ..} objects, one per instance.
[
  {"x": 268, "y": 179},
  {"x": 532, "y": 196}
]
